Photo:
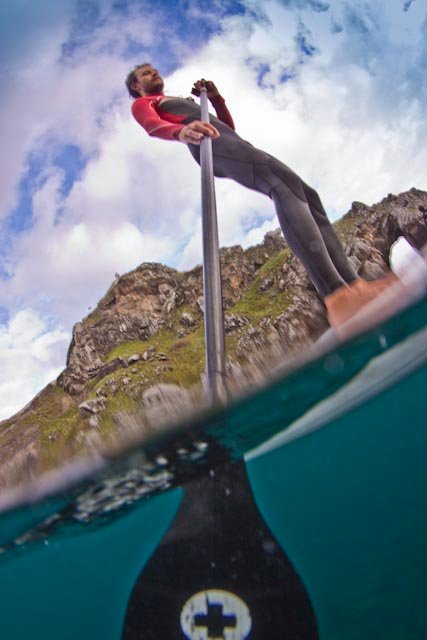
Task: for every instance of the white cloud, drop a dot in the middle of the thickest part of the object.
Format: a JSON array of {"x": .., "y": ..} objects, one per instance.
[
  {"x": 192, "y": 251},
  {"x": 46, "y": 96},
  {"x": 59, "y": 264},
  {"x": 31, "y": 355},
  {"x": 21, "y": 118},
  {"x": 324, "y": 124}
]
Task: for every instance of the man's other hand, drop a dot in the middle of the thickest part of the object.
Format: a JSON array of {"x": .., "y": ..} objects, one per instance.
[
  {"x": 194, "y": 132},
  {"x": 210, "y": 86}
]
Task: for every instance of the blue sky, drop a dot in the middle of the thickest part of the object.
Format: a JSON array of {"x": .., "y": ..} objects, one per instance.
[{"x": 336, "y": 89}]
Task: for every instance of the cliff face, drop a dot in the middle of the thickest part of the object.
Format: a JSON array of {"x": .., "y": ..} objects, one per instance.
[
  {"x": 150, "y": 298},
  {"x": 148, "y": 329},
  {"x": 153, "y": 297}
]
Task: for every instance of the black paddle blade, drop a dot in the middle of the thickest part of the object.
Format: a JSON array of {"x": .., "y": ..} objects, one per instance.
[{"x": 218, "y": 573}]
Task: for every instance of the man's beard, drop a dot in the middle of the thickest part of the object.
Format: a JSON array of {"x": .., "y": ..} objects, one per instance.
[{"x": 156, "y": 86}]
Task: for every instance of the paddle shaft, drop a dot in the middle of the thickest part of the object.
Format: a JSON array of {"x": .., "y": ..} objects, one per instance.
[{"x": 213, "y": 309}]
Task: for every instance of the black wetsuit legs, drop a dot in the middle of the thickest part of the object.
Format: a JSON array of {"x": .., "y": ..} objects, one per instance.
[
  {"x": 306, "y": 226},
  {"x": 301, "y": 214},
  {"x": 300, "y": 224},
  {"x": 333, "y": 244}
]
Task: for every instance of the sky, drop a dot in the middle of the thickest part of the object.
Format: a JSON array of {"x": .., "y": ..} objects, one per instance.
[{"x": 334, "y": 88}]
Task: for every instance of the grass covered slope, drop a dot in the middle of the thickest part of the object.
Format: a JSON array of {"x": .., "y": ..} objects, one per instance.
[{"x": 148, "y": 330}]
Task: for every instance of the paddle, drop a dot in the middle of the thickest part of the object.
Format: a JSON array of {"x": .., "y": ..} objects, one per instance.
[
  {"x": 212, "y": 287},
  {"x": 218, "y": 572}
]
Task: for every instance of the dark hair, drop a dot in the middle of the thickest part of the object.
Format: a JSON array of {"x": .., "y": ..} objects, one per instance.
[{"x": 131, "y": 78}]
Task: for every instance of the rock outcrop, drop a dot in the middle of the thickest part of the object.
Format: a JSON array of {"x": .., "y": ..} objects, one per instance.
[{"x": 148, "y": 329}]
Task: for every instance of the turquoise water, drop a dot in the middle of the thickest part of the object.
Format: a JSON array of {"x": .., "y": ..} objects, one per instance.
[
  {"x": 347, "y": 503},
  {"x": 77, "y": 586}
]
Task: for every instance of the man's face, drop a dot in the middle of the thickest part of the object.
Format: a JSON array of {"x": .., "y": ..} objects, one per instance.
[{"x": 148, "y": 81}]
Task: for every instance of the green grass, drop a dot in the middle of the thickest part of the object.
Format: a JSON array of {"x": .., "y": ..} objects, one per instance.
[
  {"x": 4, "y": 424},
  {"x": 185, "y": 356},
  {"x": 57, "y": 428},
  {"x": 184, "y": 364},
  {"x": 346, "y": 227},
  {"x": 256, "y": 304},
  {"x": 126, "y": 349},
  {"x": 63, "y": 442},
  {"x": 119, "y": 402},
  {"x": 61, "y": 424}
]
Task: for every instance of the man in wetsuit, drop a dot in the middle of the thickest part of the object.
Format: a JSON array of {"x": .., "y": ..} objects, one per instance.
[{"x": 301, "y": 214}]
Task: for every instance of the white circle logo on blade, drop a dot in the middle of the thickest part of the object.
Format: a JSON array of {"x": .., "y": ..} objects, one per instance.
[{"x": 215, "y": 614}]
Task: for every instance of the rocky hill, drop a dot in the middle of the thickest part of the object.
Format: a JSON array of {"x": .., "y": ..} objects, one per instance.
[{"x": 148, "y": 331}]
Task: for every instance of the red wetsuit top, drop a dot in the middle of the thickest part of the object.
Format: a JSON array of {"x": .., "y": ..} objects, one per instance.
[{"x": 161, "y": 124}]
